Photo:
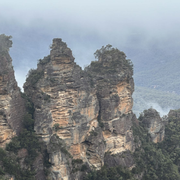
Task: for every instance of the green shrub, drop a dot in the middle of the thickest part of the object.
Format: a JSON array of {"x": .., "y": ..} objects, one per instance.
[
  {"x": 29, "y": 104},
  {"x": 65, "y": 151},
  {"x": 14, "y": 145},
  {"x": 101, "y": 124},
  {"x": 115, "y": 173},
  {"x": 28, "y": 122},
  {"x": 5, "y": 44},
  {"x": 93, "y": 133},
  {"x": 56, "y": 127},
  {"x": 11, "y": 166},
  {"x": 34, "y": 76},
  {"x": 77, "y": 161},
  {"x": 84, "y": 167},
  {"x": 113, "y": 57},
  {"x": 44, "y": 61}
]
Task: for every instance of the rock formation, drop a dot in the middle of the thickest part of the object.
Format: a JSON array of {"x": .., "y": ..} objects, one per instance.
[
  {"x": 12, "y": 107},
  {"x": 81, "y": 115},
  {"x": 154, "y": 124},
  {"x": 83, "y": 118}
]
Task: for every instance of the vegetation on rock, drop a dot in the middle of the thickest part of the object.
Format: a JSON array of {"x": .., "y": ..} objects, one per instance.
[
  {"x": 160, "y": 161},
  {"x": 5, "y": 43},
  {"x": 44, "y": 61},
  {"x": 113, "y": 173},
  {"x": 28, "y": 140},
  {"x": 33, "y": 76},
  {"x": 110, "y": 60},
  {"x": 157, "y": 161}
]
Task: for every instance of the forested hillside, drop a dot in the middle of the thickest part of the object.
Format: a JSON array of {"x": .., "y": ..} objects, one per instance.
[
  {"x": 164, "y": 77},
  {"x": 145, "y": 98},
  {"x": 157, "y": 81}
]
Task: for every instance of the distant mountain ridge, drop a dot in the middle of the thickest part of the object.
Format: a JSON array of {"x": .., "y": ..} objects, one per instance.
[
  {"x": 145, "y": 98},
  {"x": 164, "y": 77},
  {"x": 157, "y": 83}
]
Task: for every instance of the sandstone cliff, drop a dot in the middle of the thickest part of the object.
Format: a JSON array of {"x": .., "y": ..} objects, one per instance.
[
  {"x": 12, "y": 107},
  {"x": 83, "y": 120},
  {"x": 81, "y": 115},
  {"x": 154, "y": 124}
]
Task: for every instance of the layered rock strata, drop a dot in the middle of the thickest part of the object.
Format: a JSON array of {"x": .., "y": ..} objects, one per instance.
[
  {"x": 12, "y": 107},
  {"x": 82, "y": 114}
]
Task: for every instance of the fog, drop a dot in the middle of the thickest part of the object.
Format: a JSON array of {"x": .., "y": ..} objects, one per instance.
[
  {"x": 139, "y": 28},
  {"x": 154, "y": 105}
]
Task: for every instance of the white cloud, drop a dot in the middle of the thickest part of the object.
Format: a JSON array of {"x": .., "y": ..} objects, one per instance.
[
  {"x": 87, "y": 25},
  {"x": 102, "y": 15}
]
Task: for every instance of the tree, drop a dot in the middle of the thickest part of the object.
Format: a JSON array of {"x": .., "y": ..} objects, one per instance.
[
  {"x": 99, "y": 53},
  {"x": 5, "y": 43}
]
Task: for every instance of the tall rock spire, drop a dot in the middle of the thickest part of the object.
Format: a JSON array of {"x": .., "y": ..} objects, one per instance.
[
  {"x": 12, "y": 106},
  {"x": 79, "y": 113}
]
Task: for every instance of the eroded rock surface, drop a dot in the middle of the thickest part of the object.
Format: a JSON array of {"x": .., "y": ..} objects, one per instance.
[
  {"x": 155, "y": 124},
  {"x": 12, "y": 106},
  {"x": 82, "y": 114}
]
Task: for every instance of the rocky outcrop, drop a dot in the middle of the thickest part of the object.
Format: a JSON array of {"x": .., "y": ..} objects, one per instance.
[
  {"x": 82, "y": 114},
  {"x": 154, "y": 124},
  {"x": 12, "y": 107},
  {"x": 174, "y": 114},
  {"x": 83, "y": 118},
  {"x": 124, "y": 159}
]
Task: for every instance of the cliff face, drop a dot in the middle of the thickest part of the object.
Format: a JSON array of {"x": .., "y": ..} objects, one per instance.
[
  {"x": 82, "y": 114},
  {"x": 84, "y": 117},
  {"x": 11, "y": 104},
  {"x": 154, "y": 124}
]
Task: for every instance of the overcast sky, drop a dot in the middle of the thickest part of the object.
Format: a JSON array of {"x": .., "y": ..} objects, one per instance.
[{"x": 86, "y": 25}]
